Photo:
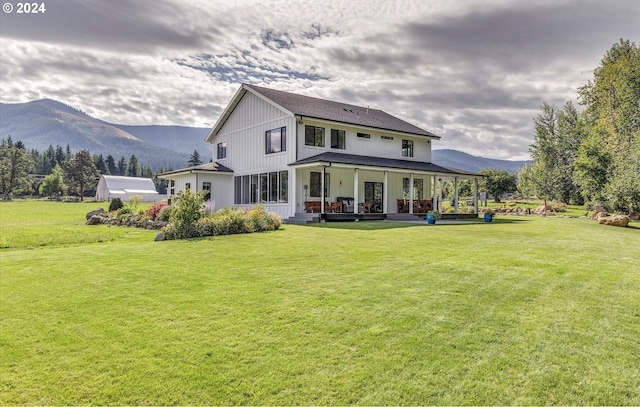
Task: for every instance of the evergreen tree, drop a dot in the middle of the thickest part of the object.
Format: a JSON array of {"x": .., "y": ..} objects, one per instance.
[
  {"x": 132, "y": 168},
  {"x": 110, "y": 162},
  {"x": 100, "y": 164},
  {"x": 80, "y": 173},
  {"x": 195, "y": 159},
  {"x": 122, "y": 166}
]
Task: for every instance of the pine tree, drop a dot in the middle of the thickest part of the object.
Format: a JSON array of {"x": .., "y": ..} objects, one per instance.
[
  {"x": 195, "y": 159},
  {"x": 80, "y": 173}
]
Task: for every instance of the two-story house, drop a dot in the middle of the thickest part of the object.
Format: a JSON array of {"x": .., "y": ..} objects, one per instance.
[{"x": 291, "y": 153}]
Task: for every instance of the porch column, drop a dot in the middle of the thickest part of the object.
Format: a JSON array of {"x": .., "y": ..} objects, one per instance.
[
  {"x": 435, "y": 193},
  {"x": 411, "y": 193},
  {"x": 322, "y": 190},
  {"x": 355, "y": 190},
  {"x": 455, "y": 194},
  {"x": 475, "y": 195},
  {"x": 385, "y": 194}
]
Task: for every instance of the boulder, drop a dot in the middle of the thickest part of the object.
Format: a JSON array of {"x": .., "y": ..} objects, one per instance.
[
  {"x": 159, "y": 237},
  {"x": 616, "y": 220},
  {"x": 600, "y": 215},
  {"x": 634, "y": 216},
  {"x": 94, "y": 220},
  {"x": 542, "y": 209},
  {"x": 98, "y": 211},
  {"x": 596, "y": 210}
]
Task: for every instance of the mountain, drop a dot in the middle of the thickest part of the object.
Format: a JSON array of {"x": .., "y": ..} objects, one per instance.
[
  {"x": 41, "y": 123},
  {"x": 45, "y": 122},
  {"x": 468, "y": 162}
]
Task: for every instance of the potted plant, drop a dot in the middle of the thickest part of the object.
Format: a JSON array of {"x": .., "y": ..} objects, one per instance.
[
  {"x": 488, "y": 215},
  {"x": 432, "y": 216}
]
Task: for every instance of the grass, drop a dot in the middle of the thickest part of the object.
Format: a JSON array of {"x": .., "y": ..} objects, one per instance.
[{"x": 523, "y": 311}]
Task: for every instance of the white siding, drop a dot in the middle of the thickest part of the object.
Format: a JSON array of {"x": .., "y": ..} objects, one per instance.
[
  {"x": 375, "y": 146},
  {"x": 245, "y": 131}
]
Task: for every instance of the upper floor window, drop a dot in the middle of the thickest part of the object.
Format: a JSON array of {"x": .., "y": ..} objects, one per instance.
[
  {"x": 407, "y": 148},
  {"x": 222, "y": 150},
  {"x": 338, "y": 139},
  {"x": 276, "y": 140},
  {"x": 314, "y": 136},
  {"x": 363, "y": 135}
]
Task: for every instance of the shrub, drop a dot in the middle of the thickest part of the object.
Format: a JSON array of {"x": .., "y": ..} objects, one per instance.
[
  {"x": 153, "y": 211},
  {"x": 134, "y": 204},
  {"x": 559, "y": 207},
  {"x": 116, "y": 203},
  {"x": 180, "y": 231},
  {"x": 187, "y": 207},
  {"x": 165, "y": 213},
  {"x": 123, "y": 212},
  {"x": 230, "y": 222}
]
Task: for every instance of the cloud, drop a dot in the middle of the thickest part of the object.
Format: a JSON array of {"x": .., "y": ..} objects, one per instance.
[{"x": 472, "y": 72}]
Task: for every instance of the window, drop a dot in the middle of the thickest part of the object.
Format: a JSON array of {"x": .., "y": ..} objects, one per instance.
[
  {"x": 276, "y": 140},
  {"x": 314, "y": 184},
  {"x": 314, "y": 136},
  {"x": 222, "y": 150},
  {"x": 337, "y": 139},
  {"x": 386, "y": 137},
  {"x": 206, "y": 186},
  {"x": 283, "y": 191},
  {"x": 187, "y": 185},
  {"x": 407, "y": 148},
  {"x": 418, "y": 188},
  {"x": 265, "y": 187},
  {"x": 363, "y": 135}
]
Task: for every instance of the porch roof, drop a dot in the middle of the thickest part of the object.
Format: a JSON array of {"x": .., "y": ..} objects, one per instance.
[{"x": 363, "y": 160}]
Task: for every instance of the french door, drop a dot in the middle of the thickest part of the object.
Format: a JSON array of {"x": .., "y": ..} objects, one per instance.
[{"x": 373, "y": 195}]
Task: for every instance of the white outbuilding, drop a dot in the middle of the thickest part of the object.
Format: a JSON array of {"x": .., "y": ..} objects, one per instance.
[{"x": 111, "y": 186}]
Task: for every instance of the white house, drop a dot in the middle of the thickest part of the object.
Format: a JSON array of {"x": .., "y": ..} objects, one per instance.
[
  {"x": 111, "y": 186},
  {"x": 291, "y": 152}
]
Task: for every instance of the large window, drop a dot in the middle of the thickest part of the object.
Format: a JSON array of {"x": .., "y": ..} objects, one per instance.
[
  {"x": 266, "y": 187},
  {"x": 418, "y": 188},
  {"x": 315, "y": 187},
  {"x": 206, "y": 186},
  {"x": 276, "y": 140},
  {"x": 222, "y": 150},
  {"x": 337, "y": 139},
  {"x": 407, "y": 148},
  {"x": 314, "y": 136}
]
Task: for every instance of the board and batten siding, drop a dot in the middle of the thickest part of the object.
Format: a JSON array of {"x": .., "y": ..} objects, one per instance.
[
  {"x": 244, "y": 132},
  {"x": 375, "y": 146}
]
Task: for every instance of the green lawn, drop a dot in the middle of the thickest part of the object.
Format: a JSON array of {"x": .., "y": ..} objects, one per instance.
[{"x": 525, "y": 311}]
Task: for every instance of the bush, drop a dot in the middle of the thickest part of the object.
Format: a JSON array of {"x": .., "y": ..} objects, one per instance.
[
  {"x": 231, "y": 221},
  {"x": 165, "y": 213},
  {"x": 180, "y": 231},
  {"x": 123, "y": 212},
  {"x": 559, "y": 207},
  {"x": 134, "y": 204},
  {"x": 116, "y": 203},
  {"x": 153, "y": 211},
  {"x": 188, "y": 207}
]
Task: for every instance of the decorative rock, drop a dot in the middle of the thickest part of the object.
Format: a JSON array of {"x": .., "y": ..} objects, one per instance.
[
  {"x": 94, "y": 220},
  {"x": 596, "y": 210},
  {"x": 634, "y": 216},
  {"x": 98, "y": 211},
  {"x": 600, "y": 215},
  {"x": 616, "y": 220},
  {"x": 542, "y": 209},
  {"x": 159, "y": 237}
]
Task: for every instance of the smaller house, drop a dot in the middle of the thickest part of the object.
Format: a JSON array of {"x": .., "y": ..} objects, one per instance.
[
  {"x": 112, "y": 186},
  {"x": 210, "y": 177}
]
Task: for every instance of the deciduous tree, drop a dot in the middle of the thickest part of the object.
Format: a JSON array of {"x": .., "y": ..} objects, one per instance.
[{"x": 15, "y": 166}]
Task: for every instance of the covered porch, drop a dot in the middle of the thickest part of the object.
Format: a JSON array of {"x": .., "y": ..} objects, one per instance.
[{"x": 355, "y": 187}]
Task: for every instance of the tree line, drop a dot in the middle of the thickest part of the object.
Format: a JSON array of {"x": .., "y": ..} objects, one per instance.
[
  {"x": 59, "y": 172},
  {"x": 592, "y": 156}
]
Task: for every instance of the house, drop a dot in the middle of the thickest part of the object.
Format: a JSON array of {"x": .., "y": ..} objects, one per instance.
[
  {"x": 292, "y": 153},
  {"x": 111, "y": 186}
]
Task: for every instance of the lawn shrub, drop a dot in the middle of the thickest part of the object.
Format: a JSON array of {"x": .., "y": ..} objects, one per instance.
[
  {"x": 187, "y": 208},
  {"x": 134, "y": 204},
  {"x": 116, "y": 203},
  {"x": 180, "y": 230},
  {"x": 124, "y": 212},
  {"x": 229, "y": 221},
  {"x": 259, "y": 219},
  {"x": 154, "y": 210},
  {"x": 165, "y": 213},
  {"x": 559, "y": 207}
]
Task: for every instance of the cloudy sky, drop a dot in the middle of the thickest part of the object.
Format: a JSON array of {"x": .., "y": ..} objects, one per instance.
[{"x": 473, "y": 72}]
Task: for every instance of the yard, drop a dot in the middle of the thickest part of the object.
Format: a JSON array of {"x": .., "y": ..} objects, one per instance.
[{"x": 522, "y": 311}]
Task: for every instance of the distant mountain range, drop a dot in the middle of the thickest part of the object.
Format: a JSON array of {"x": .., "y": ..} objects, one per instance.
[{"x": 45, "y": 122}]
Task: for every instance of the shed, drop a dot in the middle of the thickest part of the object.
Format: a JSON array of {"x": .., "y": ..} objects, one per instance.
[{"x": 111, "y": 186}]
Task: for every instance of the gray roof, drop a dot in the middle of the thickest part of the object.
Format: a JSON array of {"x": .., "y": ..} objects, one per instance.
[
  {"x": 207, "y": 167},
  {"x": 316, "y": 108},
  {"x": 120, "y": 184},
  {"x": 354, "y": 159}
]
